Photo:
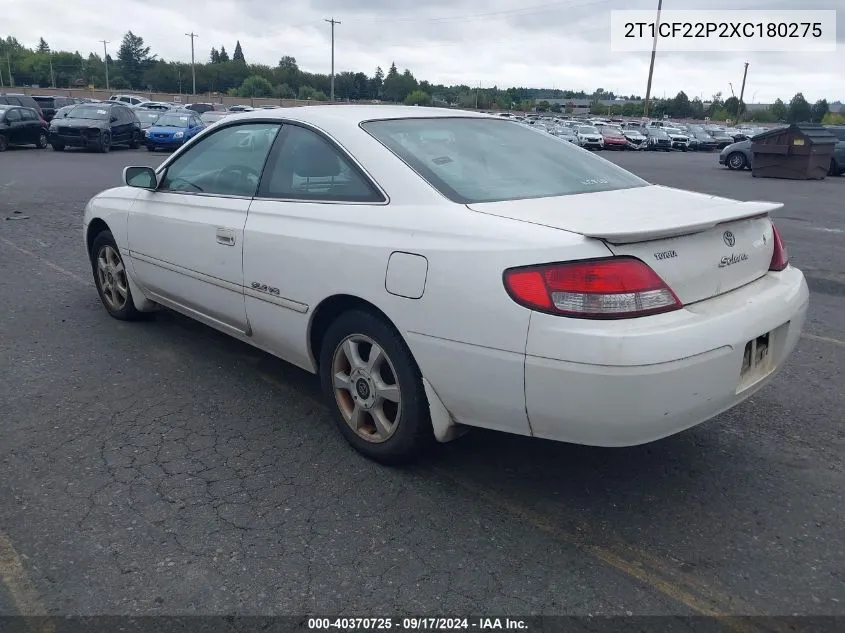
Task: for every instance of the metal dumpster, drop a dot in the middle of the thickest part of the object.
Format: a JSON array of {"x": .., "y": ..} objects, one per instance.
[{"x": 799, "y": 152}]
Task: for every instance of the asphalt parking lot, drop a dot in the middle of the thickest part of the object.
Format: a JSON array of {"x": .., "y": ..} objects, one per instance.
[{"x": 161, "y": 467}]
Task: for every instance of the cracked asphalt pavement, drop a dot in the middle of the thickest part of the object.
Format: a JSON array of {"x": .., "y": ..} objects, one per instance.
[{"x": 162, "y": 468}]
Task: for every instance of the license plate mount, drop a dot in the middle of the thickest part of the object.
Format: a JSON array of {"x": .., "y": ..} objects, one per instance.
[{"x": 756, "y": 360}]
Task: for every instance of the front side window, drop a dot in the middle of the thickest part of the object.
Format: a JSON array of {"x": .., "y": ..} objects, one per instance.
[
  {"x": 228, "y": 162},
  {"x": 473, "y": 160},
  {"x": 307, "y": 166}
]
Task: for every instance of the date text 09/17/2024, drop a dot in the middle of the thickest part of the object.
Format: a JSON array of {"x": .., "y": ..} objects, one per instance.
[{"x": 417, "y": 624}]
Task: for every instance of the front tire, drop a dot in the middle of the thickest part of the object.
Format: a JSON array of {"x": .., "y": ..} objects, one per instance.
[
  {"x": 374, "y": 388},
  {"x": 4, "y": 143},
  {"x": 736, "y": 161},
  {"x": 105, "y": 143},
  {"x": 111, "y": 278}
]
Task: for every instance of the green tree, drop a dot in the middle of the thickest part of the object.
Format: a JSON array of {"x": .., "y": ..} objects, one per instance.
[
  {"x": 732, "y": 106},
  {"x": 43, "y": 46},
  {"x": 133, "y": 58},
  {"x": 223, "y": 55},
  {"x": 799, "y": 109},
  {"x": 284, "y": 91},
  {"x": 681, "y": 105},
  {"x": 255, "y": 86},
  {"x": 766, "y": 115},
  {"x": 819, "y": 109},
  {"x": 238, "y": 55},
  {"x": 418, "y": 97},
  {"x": 779, "y": 110},
  {"x": 377, "y": 84},
  {"x": 214, "y": 58},
  {"x": 392, "y": 83},
  {"x": 832, "y": 118}
]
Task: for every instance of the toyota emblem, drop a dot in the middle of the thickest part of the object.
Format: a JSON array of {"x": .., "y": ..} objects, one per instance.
[{"x": 729, "y": 238}]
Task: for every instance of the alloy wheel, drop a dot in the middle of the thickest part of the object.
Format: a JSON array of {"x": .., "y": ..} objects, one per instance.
[
  {"x": 111, "y": 274},
  {"x": 366, "y": 388}
]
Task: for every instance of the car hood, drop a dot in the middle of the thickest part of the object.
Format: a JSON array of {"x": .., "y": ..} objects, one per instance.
[
  {"x": 71, "y": 122},
  {"x": 733, "y": 147},
  {"x": 163, "y": 129}
]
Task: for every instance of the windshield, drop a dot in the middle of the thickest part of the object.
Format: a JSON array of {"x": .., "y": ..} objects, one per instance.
[
  {"x": 172, "y": 120},
  {"x": 148, "y": 116},
  {"x": 588, "y": 129},
  {"x": 489, "y": 160},
  {"x": 89, "y": 112},
  {"x": 658, "y": 132}
]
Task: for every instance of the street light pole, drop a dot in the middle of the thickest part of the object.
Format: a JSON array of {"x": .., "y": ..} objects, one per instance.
[
  {"x": 192, "y": 35},
  {"x": 332, "y": 22},
  {"x": 106, "y": 61},
  {"x": 653, "y": 54}
]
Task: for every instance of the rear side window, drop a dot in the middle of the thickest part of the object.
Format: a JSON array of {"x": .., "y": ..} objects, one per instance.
[
  {"x": 28, "y": 115},
  {"x": 306, "y": 166},
  {"x": 489, "y": 160}
]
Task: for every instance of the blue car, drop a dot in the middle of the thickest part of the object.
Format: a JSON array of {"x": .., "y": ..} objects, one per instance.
[{"x": 172, "y": 129}]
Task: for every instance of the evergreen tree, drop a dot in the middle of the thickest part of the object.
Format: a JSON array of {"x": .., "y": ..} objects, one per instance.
[{"x": 239, "y": 54}]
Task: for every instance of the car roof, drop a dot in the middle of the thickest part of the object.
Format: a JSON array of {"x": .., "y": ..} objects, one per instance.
[{"x": 342, "y": 115}]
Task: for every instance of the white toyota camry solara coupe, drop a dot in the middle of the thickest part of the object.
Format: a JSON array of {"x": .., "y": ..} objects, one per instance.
[{"x": 442, "y": 270}]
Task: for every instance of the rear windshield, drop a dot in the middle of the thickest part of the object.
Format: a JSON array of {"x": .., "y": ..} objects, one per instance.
[{"x": 490, "y": 160}]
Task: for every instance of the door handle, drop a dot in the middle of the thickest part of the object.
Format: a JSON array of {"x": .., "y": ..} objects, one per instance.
[{"x": 226, "y": 237}]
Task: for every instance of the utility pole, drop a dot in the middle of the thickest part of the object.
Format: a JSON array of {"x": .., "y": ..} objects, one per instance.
[
  {"x": 741, "y": 94},
  {"x": 192, "y": 35},
  {"x": 653, "y": 54},
  {"x": 332, "y": 22},
  {"x": 9, "y": 68},
  {"x": 106, "y": 61},
  {"x": 476, "y": 94},
  {"x": 52, "y": 76}
]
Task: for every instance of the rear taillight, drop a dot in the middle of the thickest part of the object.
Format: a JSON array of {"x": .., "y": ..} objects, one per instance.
[
  {"x": 780, "y": 258},
  {"x": 612, "y": 288}
]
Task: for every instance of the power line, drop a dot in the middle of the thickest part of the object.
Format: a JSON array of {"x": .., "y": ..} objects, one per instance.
[
  {"x": 192, "y": 35},
  {"x": 106, "y": 61},
  {"x": 332, "y": 21}
]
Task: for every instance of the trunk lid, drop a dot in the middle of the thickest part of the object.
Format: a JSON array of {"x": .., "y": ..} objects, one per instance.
[{"x": 701, "y": 245}]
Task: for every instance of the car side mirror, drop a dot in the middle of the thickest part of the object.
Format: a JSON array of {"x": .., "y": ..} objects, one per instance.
[{"x": 140, "y": 177}]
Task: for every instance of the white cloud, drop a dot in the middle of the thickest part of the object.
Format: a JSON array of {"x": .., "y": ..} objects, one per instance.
[{"x": 562, "y": 44}]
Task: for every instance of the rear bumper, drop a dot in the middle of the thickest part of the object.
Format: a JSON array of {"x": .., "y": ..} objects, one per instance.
[{"x": 614, "y": 383}]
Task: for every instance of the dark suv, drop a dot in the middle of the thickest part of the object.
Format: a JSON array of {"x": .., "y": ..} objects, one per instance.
[
  {"x": 98, "y": 126},
  {"x": 20, "y": 99},
  {"x": 837, "y": 161},
  {"x": 49, "y": 104}
]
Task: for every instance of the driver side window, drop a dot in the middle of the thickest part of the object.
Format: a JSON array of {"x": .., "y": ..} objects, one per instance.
[{"x": 227, "y": 163}]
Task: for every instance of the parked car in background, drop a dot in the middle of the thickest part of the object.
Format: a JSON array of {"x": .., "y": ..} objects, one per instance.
[
  {"x": 837, "y": 163},
  {"x": 213, "y": 116},
  {"x": 704, "y": 142},
  {"x": 565, "y": 133},
  {"x": 160, "y": 106},
  {"x": 147, "y": 117},
  {"x": 635, "y": 138},
  {"x": 21, "y": 126},
  {"x": 132, "y": 100},
  {"x": 737, "y": 156},
  {"x": 658, "y": 140},
  {"x": 98, "y": 126},
  {"x": 589, "y": 137},
  {"x": 20, "y": 99},
  {"x": 240, "y": 108},
  {"x": 721, "y": 138},
  {"x": 50, "y": 104},
  {"x": 62, "y": 112},
  {"x": 172, "y": 129},
  {"x": 202, "y": 108},
  {"x": 612, "y": 137},
  {"x": 679, "y": 139}
]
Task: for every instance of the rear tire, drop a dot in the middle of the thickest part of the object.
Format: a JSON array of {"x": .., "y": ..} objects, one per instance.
[
  {"x": 135, "y": 142},
  {"x": 111, "y": 278},
  {"x": 42, "y": 141},
  {"x": 4, "y": 143},
  {"x": 378, "y": 403},
  {"x": 105, "y": 143},
  {"x": 833, "y": 170}
]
